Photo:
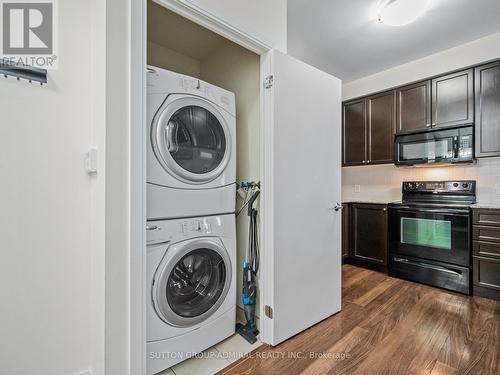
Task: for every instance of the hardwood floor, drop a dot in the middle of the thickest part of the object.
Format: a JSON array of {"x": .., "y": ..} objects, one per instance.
[{"x": 389, "y": 326}]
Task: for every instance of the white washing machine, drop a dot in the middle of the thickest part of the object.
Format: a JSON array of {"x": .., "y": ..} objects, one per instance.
[
  {"x": 191, "y": 270},
  {"x": 191, "y": 162}
]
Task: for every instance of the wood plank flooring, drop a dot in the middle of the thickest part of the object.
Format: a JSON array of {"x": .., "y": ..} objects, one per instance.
[{"x": 389, "y": 326}]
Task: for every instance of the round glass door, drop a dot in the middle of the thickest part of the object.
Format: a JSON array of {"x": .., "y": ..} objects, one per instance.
[
  {"x": 193, "y": 284},
  {"x": 192, "y": 140}
]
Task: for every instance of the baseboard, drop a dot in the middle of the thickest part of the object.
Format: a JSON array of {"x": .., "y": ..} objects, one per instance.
[
  {"x": 486, "y": 292},
  {"x": 365, "y": 264}
]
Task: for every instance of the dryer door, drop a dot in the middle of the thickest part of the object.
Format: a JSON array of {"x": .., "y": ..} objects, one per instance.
[
  {"x": 191, "y": 139},
  {"x": 191, "y": 282}
]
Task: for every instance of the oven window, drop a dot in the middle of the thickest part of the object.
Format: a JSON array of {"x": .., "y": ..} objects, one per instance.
[
  {"x": 426, "y": 232},
  {"x": 431, "y": 150}
]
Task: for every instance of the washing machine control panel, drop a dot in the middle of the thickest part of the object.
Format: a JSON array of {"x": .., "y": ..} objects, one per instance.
[
  {"x": 171, "y": 231},
  {"x": 195, "y": 227}
]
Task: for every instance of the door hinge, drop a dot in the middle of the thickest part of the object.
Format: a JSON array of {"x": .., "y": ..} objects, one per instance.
[
  {"x": 269, "y": 81},
  {"x": 268, "y": 310}
]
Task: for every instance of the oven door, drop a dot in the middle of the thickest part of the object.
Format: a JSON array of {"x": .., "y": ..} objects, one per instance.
[{"x": 429, "y": 233}]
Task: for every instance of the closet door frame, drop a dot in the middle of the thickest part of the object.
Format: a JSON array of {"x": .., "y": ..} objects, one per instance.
[{"x": 133, "y": 358}]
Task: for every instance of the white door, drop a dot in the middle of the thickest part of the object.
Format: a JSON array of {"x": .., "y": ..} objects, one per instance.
[{"x": 301, "y": 228}]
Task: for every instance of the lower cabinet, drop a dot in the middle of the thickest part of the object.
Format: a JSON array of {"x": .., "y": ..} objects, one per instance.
[
  {"x": 367, "y": 238},
  {"x": 346, "y": 216},
  {"x": 486, "y": 252}
]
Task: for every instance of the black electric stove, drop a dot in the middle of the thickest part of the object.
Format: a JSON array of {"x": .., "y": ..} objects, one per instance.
[{"x": 430, "y": 233}]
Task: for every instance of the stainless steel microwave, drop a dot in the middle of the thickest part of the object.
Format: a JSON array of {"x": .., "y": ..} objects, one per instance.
[{"x": 454, "y": 145}]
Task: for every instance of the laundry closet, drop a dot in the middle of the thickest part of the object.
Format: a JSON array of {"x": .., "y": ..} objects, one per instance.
[
  {"x": 179, "y": 45},
  {"x": 287, "y": 131}
]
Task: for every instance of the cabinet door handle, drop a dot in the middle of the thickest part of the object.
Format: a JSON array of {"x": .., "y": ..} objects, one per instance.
[{"x": 428, "y": 125}]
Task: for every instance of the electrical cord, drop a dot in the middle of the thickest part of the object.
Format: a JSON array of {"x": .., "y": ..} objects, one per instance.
[{"x": 253, "y": 245}]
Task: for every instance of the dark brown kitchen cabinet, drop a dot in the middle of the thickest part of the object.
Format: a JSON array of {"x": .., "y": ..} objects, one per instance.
[
  {"x": 487, "y": 119},
  {"x": 381, "y": 126},
  {"x": 453, "y": 99},
  {"x": 346, "y": 226},
  {"x": 414, "y": 107},
  {"x": 354, "y": 130},
  {"x": 369, "y": 235},
  {"x": 486, "y": 252},
  {"x": 368, "y": 128}
]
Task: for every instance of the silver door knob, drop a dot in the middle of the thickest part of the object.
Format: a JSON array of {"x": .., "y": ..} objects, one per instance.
[
  {"x": 337, "y": 207},
  {"x": 151, "y": 227}
]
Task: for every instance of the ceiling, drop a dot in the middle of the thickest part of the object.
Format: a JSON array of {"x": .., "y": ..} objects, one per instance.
[{"x": 344, "y": 38}]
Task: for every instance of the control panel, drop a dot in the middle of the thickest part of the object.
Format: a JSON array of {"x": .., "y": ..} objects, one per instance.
[
  {"x": 194, "y": 227},
  {"x": 170, "y": 231},
  {"x": 438, "y": 186}
]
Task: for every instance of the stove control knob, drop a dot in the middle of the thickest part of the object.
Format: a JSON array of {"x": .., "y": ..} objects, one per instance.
[
  {"x": 455, "y": 184},
  {"x": 465, "y": 185}
]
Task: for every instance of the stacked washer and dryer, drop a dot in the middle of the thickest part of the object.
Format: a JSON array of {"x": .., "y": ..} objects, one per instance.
[{"x": 191, "y": 234}]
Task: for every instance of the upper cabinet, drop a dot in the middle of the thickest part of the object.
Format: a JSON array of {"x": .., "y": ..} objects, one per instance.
[
  {"x": 381, "y": 126},
  {"x": 438, "y": 103},
  {"x": 453, "y": 99},
  {"x": 414, "y": 107},
  {"x": 354, "y": 129},
  {"x": 369, "y": 125},
  {"x": 466, "y": 97},
  {"x": 487, "y": 122}
]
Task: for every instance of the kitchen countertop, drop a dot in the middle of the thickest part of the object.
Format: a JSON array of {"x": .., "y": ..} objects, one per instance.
[
  {"x": 368, "y": 201},
  {"x": 380, "y": 201},
  {"x": 487, "y": 205}
]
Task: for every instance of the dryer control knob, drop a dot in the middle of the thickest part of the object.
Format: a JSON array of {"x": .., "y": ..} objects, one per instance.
[{"x": 197, "y": 226}]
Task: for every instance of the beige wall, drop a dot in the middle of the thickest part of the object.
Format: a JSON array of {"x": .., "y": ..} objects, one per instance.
[
  {"x": 384, "y": 182},
  {"x": 169, "y": 59},
  {"x": 238, "y": 70},
  {"x": 472, "y": 53}
]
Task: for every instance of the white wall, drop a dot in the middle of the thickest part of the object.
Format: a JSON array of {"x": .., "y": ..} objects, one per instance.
[
  {"x": 267, "y": 20},
  {"x": 238, "y": 70},
  {"x": 383, "y": 183},
  {"x": 48, "y": 284},
  {"x": 472, "y": 53},
  {"x": 125, "y": 62}
]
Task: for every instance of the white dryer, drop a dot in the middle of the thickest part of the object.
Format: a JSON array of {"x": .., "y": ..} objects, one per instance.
[
  {"x": 191, "y": 270},
  {"x": 191, "y": 150}
]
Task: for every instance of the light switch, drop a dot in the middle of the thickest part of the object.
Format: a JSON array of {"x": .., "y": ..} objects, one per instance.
[{"x": 357, "y": 188}]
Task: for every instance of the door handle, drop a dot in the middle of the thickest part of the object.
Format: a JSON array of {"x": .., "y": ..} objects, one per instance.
[
  {"x": 151, "y": 227},
  {"x": 336, "y": 208},
  {"x": 428, "y": 266}
]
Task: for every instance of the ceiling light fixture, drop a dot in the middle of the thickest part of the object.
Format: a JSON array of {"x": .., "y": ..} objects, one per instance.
[{"x": 401, "y": 12}]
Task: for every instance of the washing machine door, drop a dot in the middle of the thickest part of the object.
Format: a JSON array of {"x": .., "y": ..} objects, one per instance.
[
  {"x": 191, "y": 282},
  {"x": 191, "y": 139}
]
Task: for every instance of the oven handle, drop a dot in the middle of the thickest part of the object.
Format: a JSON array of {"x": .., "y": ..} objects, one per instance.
[
  {"x": 432, "y": 210},
  {"x": 428, "y": 266}
]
